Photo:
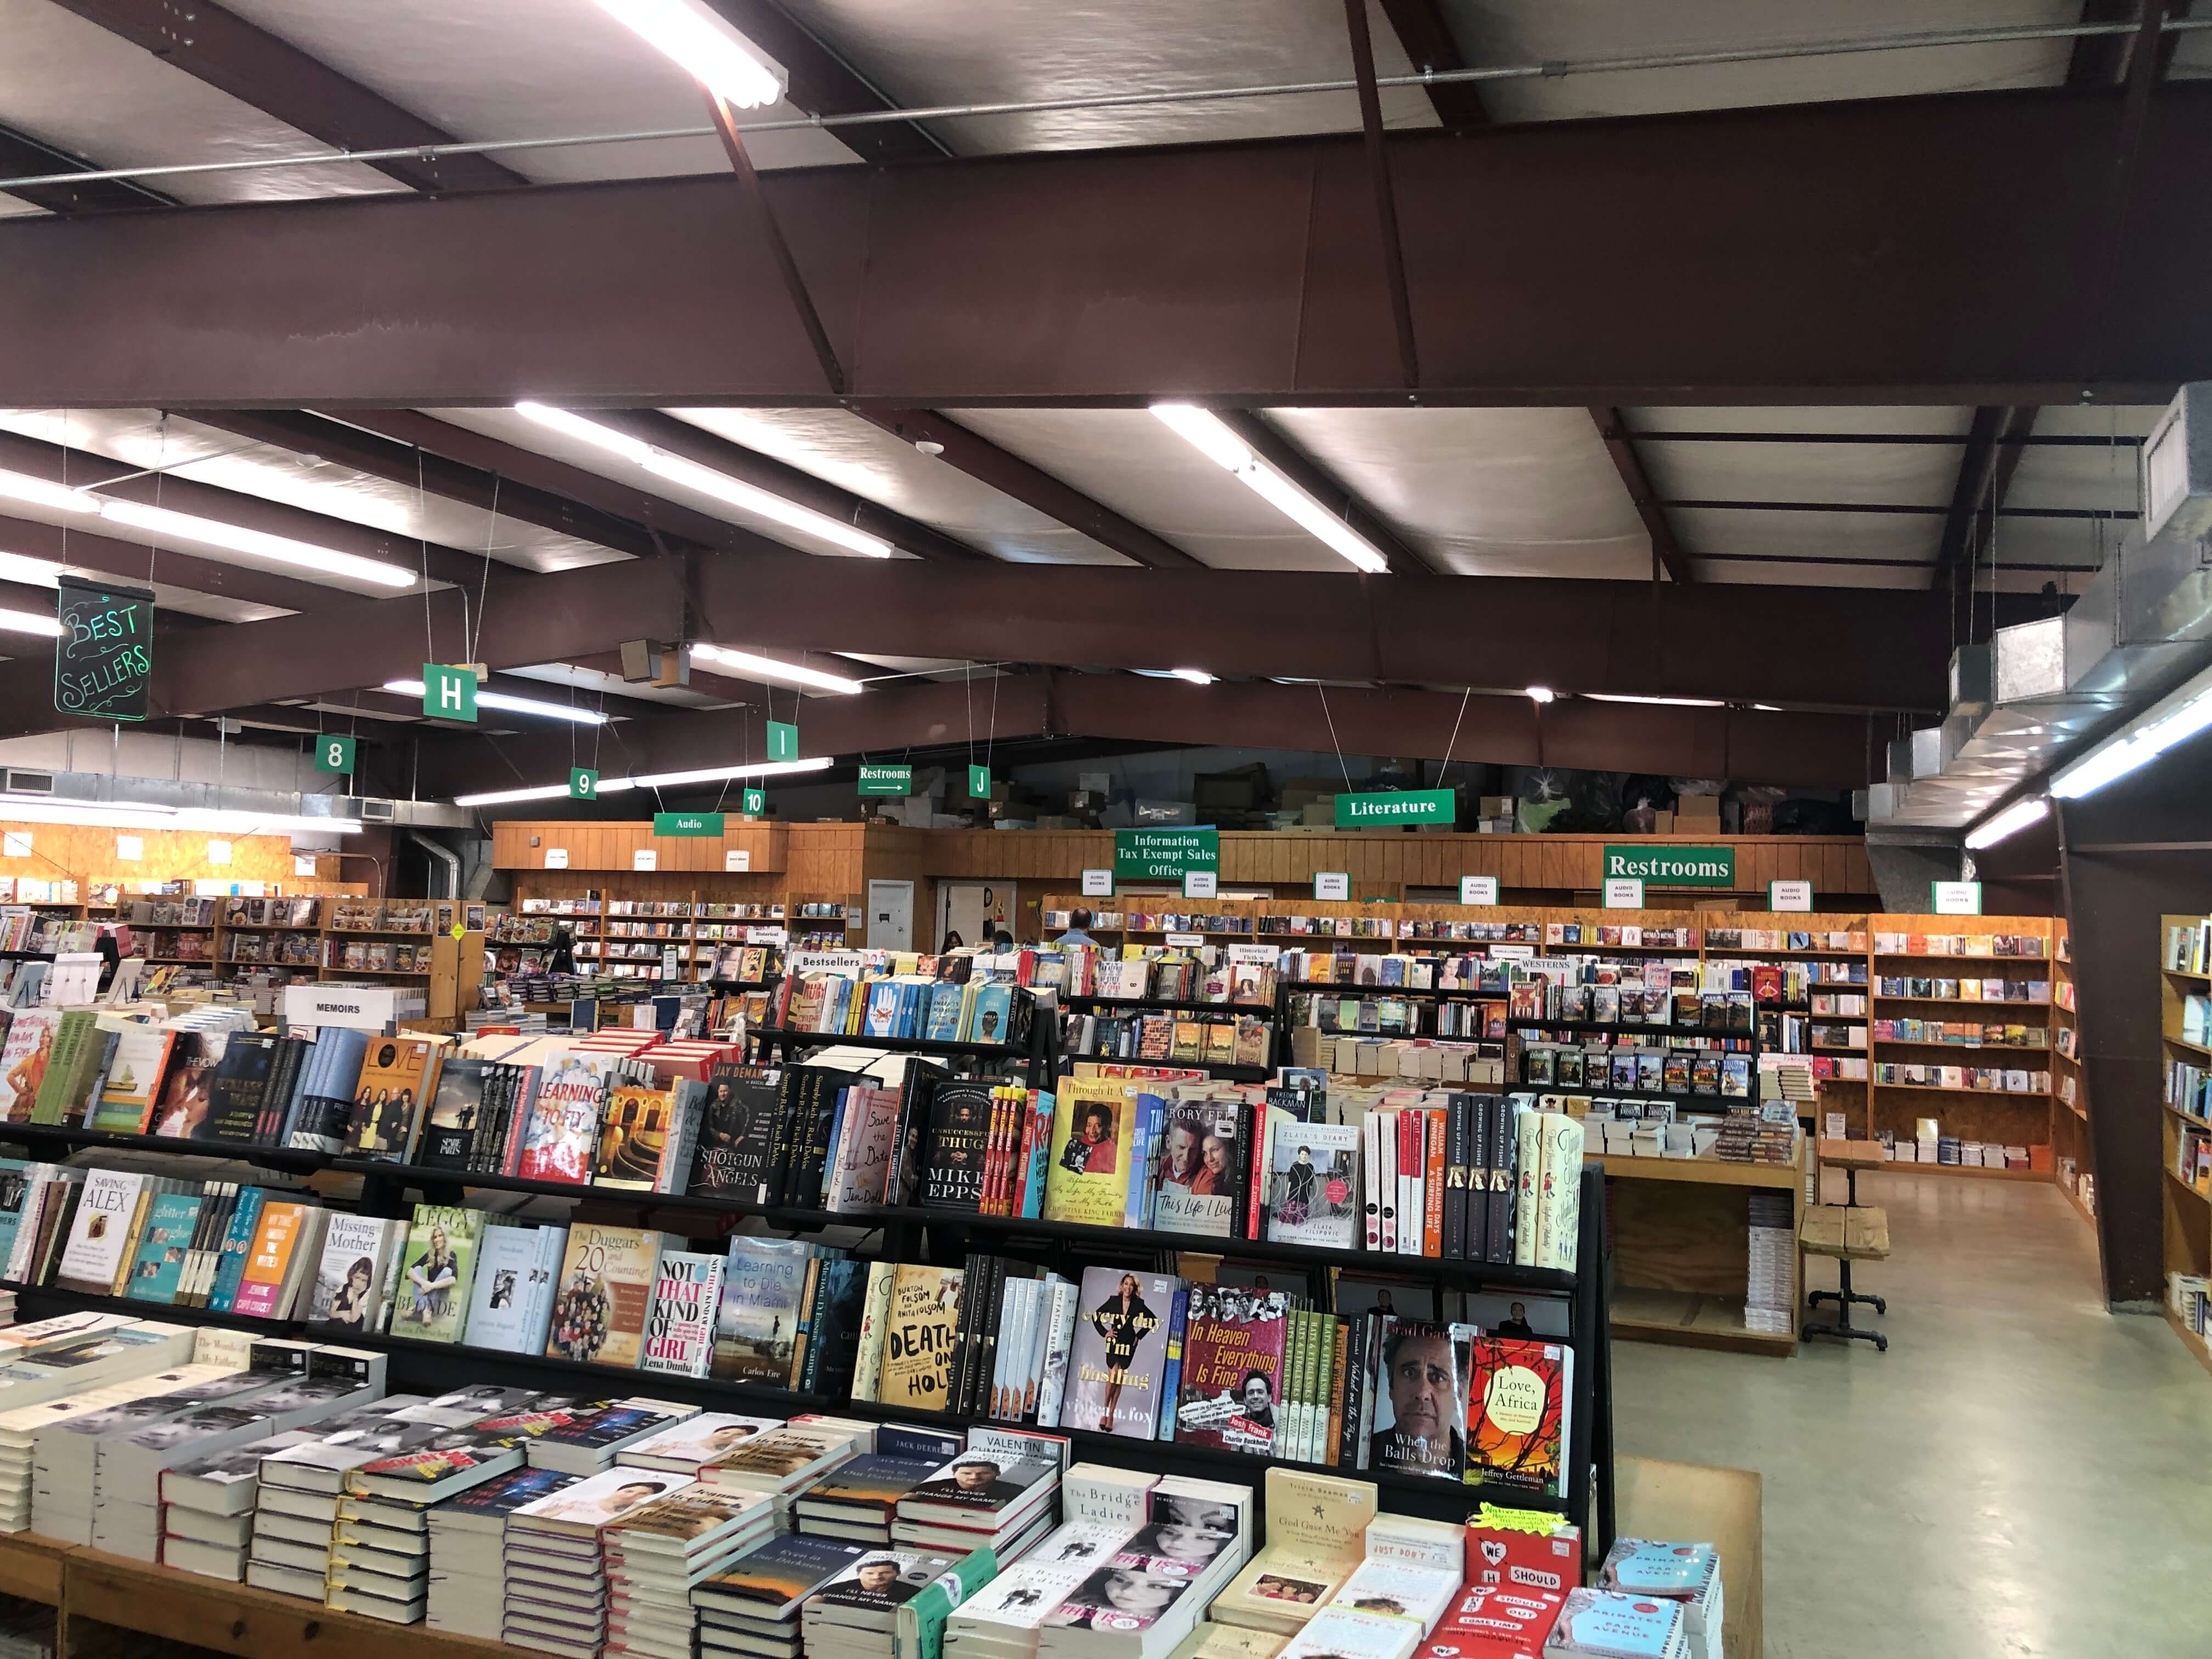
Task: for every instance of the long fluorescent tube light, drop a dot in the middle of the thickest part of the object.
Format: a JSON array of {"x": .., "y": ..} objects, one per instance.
[
  {"x": 1206, "y": 432},
  {"x": 708, "y": 482},
  {"x": 22, "y": 487},
  {"x": 2011, "y": 821},
  {"x": 1664, "y": 702},
  {"x": 721, "y": 59},
  {"x": 1195, "y": 675},
  {"x": 2174, "y": 719},
  {"x": 278, "y": 550},
  {"x": 1539, "y": 694},
  {"x": 652, "y": 781},
  {"x": 31, "y": 573},
  {"x": 513, "y": 705},
  {"x": 767, "y": 668},
  {"x": 146, "y": 815},
  {"x": 29, "y": 622}
]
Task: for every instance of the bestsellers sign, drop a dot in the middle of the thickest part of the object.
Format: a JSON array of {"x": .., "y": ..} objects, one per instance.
[
  {"x": 1672, "y": 866},
  {"x": 1397, "y": 806}
]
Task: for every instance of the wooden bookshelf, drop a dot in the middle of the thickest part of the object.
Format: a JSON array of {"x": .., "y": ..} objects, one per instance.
[
  {"x": 2186, "y": 1209},
  {"x": 1679, "y": 1228},
  {"x": 2069, "y": 1085}
]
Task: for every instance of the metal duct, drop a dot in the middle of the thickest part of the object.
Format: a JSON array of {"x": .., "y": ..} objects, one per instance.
[
  {"x": 444, "y": 855},
  {"x": 105, "y": 787}
]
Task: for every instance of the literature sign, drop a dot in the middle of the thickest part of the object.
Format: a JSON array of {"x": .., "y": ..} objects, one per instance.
[
  {"x": 1331, "y": 883},
  {"x": 756, "y": 803},
  {"x": 645, "y": 858},
  {"x": 1478, "y": 890},
  {"x": 557, "y": 858},
  {"x": 333, "y": 754},
  {"x": 1668, "y": 865},
  {"x": 1164, "y": 854},
  {"x": 886, "y": 780},
  {"x": 104, "y": 656},
  {"x": 1398, "y": 806},
  {"x": 1955, "y": 898},
  {"x": 1201, "y": 884},
  {"x": 782, "y": 741},
  {"x": 736, "y": 859},
  {"x": 1098, "y": 883},
  {"x": 583, "y": 783},
  {"x": 687, "y": 823},
  {"x": 449, "y": 694},
  {"x": 1624, "y": 893},
  {"x": 1790, "y": 896}
]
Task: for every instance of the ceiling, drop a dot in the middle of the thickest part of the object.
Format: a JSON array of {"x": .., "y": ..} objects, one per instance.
[{"x": 1824, "y": 496}]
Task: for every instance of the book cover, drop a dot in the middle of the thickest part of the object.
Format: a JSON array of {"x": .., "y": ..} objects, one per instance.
[
  {"x": 1094, "y": 1138},
  {"x": 564, "y": 1123},
  {"x": 507, "y": 1300},
  {"x": 1315, "y": 1180},
  {"x": 388, "y": 1102},
  {"x": 100, "y": 1233},
  {"x": 1517, "y": 1413},
  {"x": 633, "y": 1134},
  {"x": 436, "y": 1265},
  {"x": 597, "y": 1499},
  {"x": 737, "y": 1131},
  {"x": 1117, "y": 1365},
  {"x": 953, "y": 1150},
  {"x": 277, "y": 1235},
  {"x": 1200, "y": 1159},
  {"x": 24, "y": 1057},
  {"x": 171, "y": 1220},
  {"x": 450, "y": 1131},
  {"x": 349, "y": 1278},
  {"x": 687, "y": 1294},
  {"x": 236, "y": 1089},
  {"x": 1420, "y": 1399},
  {"x": 1232, "y": 1368},
  {"x": 125, "y": 1102},
  {"x": 606, "y": 1293},
  {"x": 779, "y": 1574},
  {"x": 924, "y": 1313},
  {"x": 756, "y": 1325},
  {"x": 884, "y": 1579},
  {"x": 833, "y": 1345}
]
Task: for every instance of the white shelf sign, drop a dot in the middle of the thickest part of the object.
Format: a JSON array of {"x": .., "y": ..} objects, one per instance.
[
  {"x": 557, "y": 858},
  {"x": 1201, "y": 883},
  {"x": 1790, "y": 896},
  {"x": 303, "y": 864},
  {"x": 1624, "y": 892},
  {"x": 1955, "y": 898},
  {"x": 1098, "y": 883},
  {"x": 1478, "y": 890},
  {"x": 739, "y": 859},
  {"x": 15, "y": 844},
  {"x": 1186, "y": 941},
  {"x": 645, "y": 858},
  {"x": 218, "y": 851},
  {"x": 1331, "y": 883},
  {"x": 130, "y": 849}
]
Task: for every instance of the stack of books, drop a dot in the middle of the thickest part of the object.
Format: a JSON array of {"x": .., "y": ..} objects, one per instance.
[
  {"x": 658, "y": 1553},
  {"x": 207, "y": 1506},
  {"x": 988, "y": 1498},
  {"x": 380, "y": 1558},
  {"x": 596, "y": 1438},
  {"x": 856, "y": 1502},
  {"x": 781, "y": 1461},
  {"x": 682, "y": 1447},
  {"x": 1688, "y": 1574},
  {"x": 752, "y": 1606},
  {"x": 856, "y": 1615},
  {"x": 468, "y": 1565},
  {"x": 556, "y": 1583}
]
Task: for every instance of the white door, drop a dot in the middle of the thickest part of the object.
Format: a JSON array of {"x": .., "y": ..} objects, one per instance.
[
  {"x": 890, "y": 916},
  {"x": 972, "y": 910}
]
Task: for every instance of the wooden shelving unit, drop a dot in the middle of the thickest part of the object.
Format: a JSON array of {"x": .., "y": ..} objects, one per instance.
[
  {"x": 1679, "y": 1228},
  {"x": 2186, "y": 1207},
  {"x": 2069, "y": 1092}
]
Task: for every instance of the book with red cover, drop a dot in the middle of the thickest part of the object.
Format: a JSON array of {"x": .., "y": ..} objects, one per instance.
[
  {"x": 1518, "y": 1408},
  {"x": 1230, "y": 1387}
]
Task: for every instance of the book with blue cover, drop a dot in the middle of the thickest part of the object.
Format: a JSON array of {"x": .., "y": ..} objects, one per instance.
[
  {"x": 943, "y": 1019},
  {"x": 993, "y": 1015},
  {"x": 171, "y": 1220}
]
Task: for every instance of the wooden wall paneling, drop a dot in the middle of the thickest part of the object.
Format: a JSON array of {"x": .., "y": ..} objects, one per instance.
[{"x": 86, "y": 854}]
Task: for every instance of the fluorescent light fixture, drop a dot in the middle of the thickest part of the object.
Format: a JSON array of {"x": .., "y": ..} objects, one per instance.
[
  {"x": 767, "y": 668},
  {"x": 277, "y": 550},
  {"x": 708, "y": 482},
  {"x": 653, "y": 780},
  {"x": 2017, "y": 816},
  {"x": 727, "y": 64},
  {"x": 1539, "y": 693},
  {"x": 1195, "y": 675},
  {"x": 29, "y": 622},
  {"x": 551, "y": 711},
  {"x": 2172, "y": 719},
  {"x": 22, "y": 487},
  {"x": 1206, "y": 432},
  {"x": 147, "y": 815},
  {"x": 1768, "y": 708},
  {"x": 1665, "y": 702},
  {"x": 31, "y": 573}
]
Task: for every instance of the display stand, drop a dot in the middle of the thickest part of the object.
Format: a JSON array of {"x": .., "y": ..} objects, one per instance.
[
  {"x": 1222, "y": 1071},
  {"x": 1682, "y": 1249}
]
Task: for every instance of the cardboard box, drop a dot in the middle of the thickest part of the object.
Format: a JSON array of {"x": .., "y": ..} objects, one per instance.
[{"x": 1319, "y": 815}]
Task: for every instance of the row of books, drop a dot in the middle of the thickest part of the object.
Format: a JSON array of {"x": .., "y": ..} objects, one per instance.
[
  {"x": 1961, "y": 944},
  {"x": 1244, "y": 1040},
  {"x": 903, "y": 1005},
  {"x": 355, "y": 916},
  {"x": 1433, "y": 1060},
  {"x": 1998, "y": 1079},
  {"x": 2188, "y": 947},
  {"x": 1926, "y": 990},
  {"x": 1972, "y": 1033},
  {"x": 1850, "y": 940},
  {"x": 1644, "y": 1071},
  {"x": 366, "y": 955},
  {"x": 1385, "y": 1015},
  {"x": 2188, "y": 1088}
]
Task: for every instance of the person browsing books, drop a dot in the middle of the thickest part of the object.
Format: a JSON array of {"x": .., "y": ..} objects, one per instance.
[
  {"x": 1422, "y": 1376},
  {"x": 1124, "y": 1321},
  {"x": 1515, "y": 1323},
  {"x": 1077, "y": 922},
  {"x": 561, "y": 959}
]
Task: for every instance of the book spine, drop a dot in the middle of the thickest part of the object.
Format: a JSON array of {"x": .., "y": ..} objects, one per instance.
[
  {"x": 875, "y": 1320},
  {"x": 1163, "y": 1421},
  {"x": 993, "y": 1323},
  {"x": 1371, "y": 1176},
  {"x": 1452, "y": 1242},
  {"x": 1560, "y": 1210},
  {"x": 963, "y": 1326},
  {"x": 1345, "y": 1453},
  {"x": 222, "y": 1293},
  {"x": 1498, "y": 1245},
  {"x": 1338, "y": 1351},
  {"x": 994, "y": 1150},
  {"x": 1289, "y": 1415},
  {"x": 1528, "y": 1184},
  {"x": 1389, "y": 1184},
  {"x": 1432, "y": 1215},
  {"x": 1053, "y": 1395},
  {"x": 129, "y": 1259},
  {"x": 1478, "y": 1115},
  {"x": 809, "y": 1290}
]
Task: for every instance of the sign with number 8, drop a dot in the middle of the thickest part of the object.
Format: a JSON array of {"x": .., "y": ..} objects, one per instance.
[{"x": 334, "y": 754}]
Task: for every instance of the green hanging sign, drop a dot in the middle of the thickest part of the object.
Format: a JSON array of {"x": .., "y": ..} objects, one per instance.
[
  {"x": 333, "y": 754},
  {"x": 687, "y": 823},
  {"x": 782, "y": 741},
  {"x": 979, "y": 783},
  {"x": 1164, "y": 854},
  {"x": 1397, "y": 806},
  {"x": 1664, "y": 865},
  {"x": 583, "y": 783},
  {"x": 886, "y": 780},
  {"x": 756, "y": 803},
  {"x": 449, "y": 694}
]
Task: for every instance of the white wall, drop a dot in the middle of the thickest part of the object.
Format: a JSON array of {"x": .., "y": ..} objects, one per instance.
[{"x": 189, "y": 760}]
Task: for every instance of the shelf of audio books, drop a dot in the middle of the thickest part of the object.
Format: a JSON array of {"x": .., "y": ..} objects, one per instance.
[
  {"x": 2185, "y": 1112},
  {"x": 1871, "y": 1001},
  {"x": 688, "y": 939},
  {"x": 2073, "y": 1163}
]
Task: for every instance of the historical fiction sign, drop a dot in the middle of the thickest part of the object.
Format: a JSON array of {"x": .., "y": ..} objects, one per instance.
[{"x": 104, "y": 656}]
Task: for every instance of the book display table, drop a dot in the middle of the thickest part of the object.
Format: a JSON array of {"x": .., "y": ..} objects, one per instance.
[{"x": 1681, "y": 1233}]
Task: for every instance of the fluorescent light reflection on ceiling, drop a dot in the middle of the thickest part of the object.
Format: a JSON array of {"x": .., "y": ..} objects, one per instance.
[
  {"x": 1206, "y": 432},
  {"x": 650, "y": 781},
  {"x": 513, "y": 705}
]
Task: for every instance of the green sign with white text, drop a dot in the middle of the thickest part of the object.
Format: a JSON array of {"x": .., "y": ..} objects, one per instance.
[
  {"x": 583, "y": 783},
  {"x": 1164, "y": 854},
  {"x": 886, "y": 780},
  {"x": 449, "y": 694},
  {"x": 333, "y": 754},
  {"x": 782, "y": 741},
  {"x": 1662, "y": 866},
  {"x": 687, "y": 823},
  {"x": 979, "y": 783},
  {"x": 1397, "y": 806},
  {"x": 756, "y": 803}
]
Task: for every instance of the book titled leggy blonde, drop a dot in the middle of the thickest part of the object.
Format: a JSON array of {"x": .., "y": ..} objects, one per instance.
[{"x": 1094, "y": 1130}]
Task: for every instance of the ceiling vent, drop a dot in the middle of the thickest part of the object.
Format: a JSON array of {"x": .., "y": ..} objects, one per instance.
[
  {"x": 379, "y": 811},
  {"x": 22, "y": 781}
]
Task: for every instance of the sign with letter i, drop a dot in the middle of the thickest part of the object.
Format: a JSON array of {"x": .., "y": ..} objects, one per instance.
[{"x": 782, "y": 741}]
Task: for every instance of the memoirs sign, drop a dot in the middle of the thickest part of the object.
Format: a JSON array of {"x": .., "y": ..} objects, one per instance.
[
  {"x": 1672, "y": 866},
  {"x": 1164, "y": 854},
  {"x": 104, "y": 657}
]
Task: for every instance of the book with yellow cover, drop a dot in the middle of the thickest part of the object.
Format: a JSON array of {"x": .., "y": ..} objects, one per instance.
[
  {"x": 1316, "y": 1536},
  {"x": 925, "y": 1312},
  {"x": 1094, "y": 1130}
]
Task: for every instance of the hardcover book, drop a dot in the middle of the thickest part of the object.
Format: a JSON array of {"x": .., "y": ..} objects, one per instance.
[
  {"x": 236, "y": 1089},
  {"x": 564, "y": 1123},
  {"x": 437, "y": 1265},
  {"x": 348, "y": 1290},
  {"x": 1315, "y": 1177},
  {"x": 1518, "y": 1401},
  {"x": 953, "y": 1150},
  {"x": 924, "y": 1314},
  {"x": 125, "y": 1102},
  {"x": 687, "y": 1295},
  {"x": 451, "y": 1130},
  {"x": 1420, "y": 1399},
  {"x": 762, "y": 1295},
  {"x": 606, "y": 1293},
  {"x": 633, "y": 1132},
  {"x": 388, "y": 1106},
  {"x": 1116, "y": 1369},
  {"x": 736, "y": 1132},
  {"x": 1093, "y": 1139},
  {"x": 1200, "y": 1161},
  {"x": 1232, "y": 1368}
]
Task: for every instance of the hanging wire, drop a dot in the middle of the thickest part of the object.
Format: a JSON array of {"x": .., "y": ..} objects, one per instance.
[
  {"x": 1323, "y": 695},
  {"x": 483, "y": 584},
  {"x": 422, "y": 509},
  {"x": 1453, "y": 741}
]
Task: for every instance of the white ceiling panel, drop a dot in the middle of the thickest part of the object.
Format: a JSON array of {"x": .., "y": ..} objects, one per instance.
[
  {"x": 1502, "y": 492},
  {"x": 1822, "y": 417},
  {"x": 614, "y": 685},
  {"x": 531, "y": 69},
  {"x": 1506, "y": 33},
  {"x": 139, "y": 438},
  {"x": 1001, "y": 50},
  {"x": 1127, "y": 460},
  {"x": 2074, "y": 541},
  {"x": 1810, "y": 575},
  {"x": 75, "y": 85},
  {"x": 856, "y": 454},
  {"x": 1703, "y": 530}
]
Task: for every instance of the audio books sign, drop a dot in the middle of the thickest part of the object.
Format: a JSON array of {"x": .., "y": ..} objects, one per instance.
[{"x": 1672, "y": 866}]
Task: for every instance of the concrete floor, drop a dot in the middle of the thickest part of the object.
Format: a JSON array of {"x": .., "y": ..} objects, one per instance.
[{"x": 2022, "y": 1473}]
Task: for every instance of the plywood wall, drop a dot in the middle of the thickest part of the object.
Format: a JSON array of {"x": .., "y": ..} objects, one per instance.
[{"x": 89, "y": 855}]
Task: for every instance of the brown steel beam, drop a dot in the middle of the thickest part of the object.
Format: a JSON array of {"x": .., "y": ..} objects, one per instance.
[
  {"x": 1267, "y": 441},
  {"x": 694, "y": 443},
  {"x": 760, "y": 213},
  {"x": 2100, "y": 61},
  {"x": 22, "y": 156},
  {"x": 345, "y": 445},
  {"x": 1427, "y": 38},
  {"x": 277, "y": 78},
  {"x": 1386, "y": 201},
  {"x": 823, "y": 83},
  {"x": 135, "y": 561},
  {"x": 1033, "y": 487},
  {"x": 1684, "y": 278},
  {"x": 1620, "y": 447}
]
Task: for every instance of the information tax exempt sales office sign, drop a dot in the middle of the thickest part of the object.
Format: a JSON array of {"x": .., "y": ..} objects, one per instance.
[
  {"x": 1164, "y": 854},
  {"x": 1671, "y": 866}
]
